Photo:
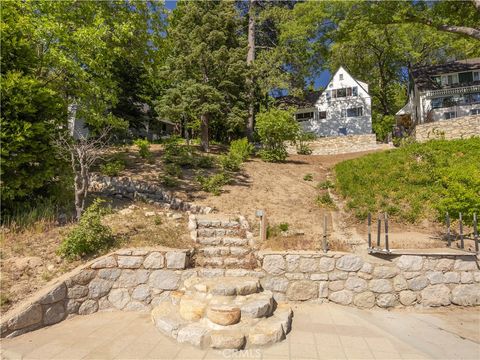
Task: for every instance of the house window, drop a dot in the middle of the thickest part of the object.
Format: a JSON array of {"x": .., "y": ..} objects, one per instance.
[
  {"x": 341, "y": 76},
  {"x": 342, "y": 131},
  {"x": 437, "y": 103},
  {"x": 437, "y": 79},
  {"x": 354, "y": 112},
  {"x": 304, "y": 116},
  {"x": 452, "y": 79},
  {"x": 322, "y": 114},
  {"x": 449, "y": 115},
  {"x": 355, "y": 91},
  {"x": 465, "y": 77},
  {"x": 475, "y": 112},
  {"x": 328, "y": 94},
  {"x": 341, "y": 92},
  {"x": 476, "y": 76},
  {"x": 472, "y": 98}
]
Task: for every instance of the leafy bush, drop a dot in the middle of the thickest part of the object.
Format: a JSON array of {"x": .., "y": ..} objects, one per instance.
[
  {"x": 112, "y": 168},
  {"x": 168, "y": 181},
  {"x": 273, "y": 155},
  {"x": 415, "y": 181},
  {"x": 241, "y": 148},
  {"x": 302, "y": 143},
  {"x": 283, "y": 226},
  {"x": 327, "y": 184},
  {"x": 274, "y": 128},
  {"x": 324, "y": 200},
  {"x": 214, "y": 183},
  {"x": 143, "y": 148},
  {"x": 230, "y": 162},
  {"x": 308, "y": 177},
  {"x": 90, "y": 236},
  {"x": 205, "y": 162},
  {"x": 173, "y": 170}
]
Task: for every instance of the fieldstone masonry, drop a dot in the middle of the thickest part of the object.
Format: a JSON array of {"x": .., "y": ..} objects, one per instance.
[
  {"x": 141, "y": 279},
  {"x": 126, "y": 187},
  {"x": 332, "y": 145},
  {"x": 349, "y": 279},
  {"x": 460, "y": 128}
]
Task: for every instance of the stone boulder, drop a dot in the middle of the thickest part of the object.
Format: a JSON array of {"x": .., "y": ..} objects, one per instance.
[
  {"x": 302, "y": 290},
  {"x": 466, "y": 295},
  {"x": 436, "y": 295},
  {"x": 350, "y": 263},
  {"x": 343, "y": 297}
]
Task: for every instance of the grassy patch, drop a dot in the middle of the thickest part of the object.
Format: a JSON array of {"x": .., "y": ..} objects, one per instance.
[{"x": 415, "y": 181}]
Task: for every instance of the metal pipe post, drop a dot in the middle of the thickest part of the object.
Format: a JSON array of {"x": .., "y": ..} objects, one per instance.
[
  {"x": 379, "y": 230},
  {"x": 386, "y": 232},
  {"x": 369, "y": 230},
  {"x": 462, "y": 245},
  {"x": 449, "y": 239},
  {"x": 324, "y": 242},
  {"x": 475, "y": 231}
]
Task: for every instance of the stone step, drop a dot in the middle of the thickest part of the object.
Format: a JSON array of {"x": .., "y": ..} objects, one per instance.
[
  {"x": 226, "y": 224},
  {"x": 217, "y": 232},
  {"x": 222, "y": 241},
  {"x": 223, "y": 322},
  {"x": 226, "y": 286},
  {"x": 244, "y": 262},
  {"x": 215, "y": 251}
]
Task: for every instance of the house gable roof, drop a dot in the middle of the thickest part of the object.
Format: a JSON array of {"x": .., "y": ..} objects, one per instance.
[
  {"x": 359, "y": 83},
  {"x": 423, "y": 75}
]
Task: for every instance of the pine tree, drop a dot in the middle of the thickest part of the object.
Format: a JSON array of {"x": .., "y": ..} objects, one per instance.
[{"x": 206, "y": 68}]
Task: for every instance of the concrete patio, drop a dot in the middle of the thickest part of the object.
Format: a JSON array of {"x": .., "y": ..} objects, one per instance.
[{"x": 324, "y": 331}]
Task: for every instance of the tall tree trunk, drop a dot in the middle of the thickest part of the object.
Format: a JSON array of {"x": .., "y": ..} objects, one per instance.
[
  {"x": 250, "y": 60},
  {"x": 204, "y": 132}
]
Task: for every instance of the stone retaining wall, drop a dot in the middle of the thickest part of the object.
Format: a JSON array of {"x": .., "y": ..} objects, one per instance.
[
  {"x": 460, "y": 128},
  {"x": 128, "y": 279},
  {"x": 342, "y": 145},
  {"x": 139, "y": 279},
  {"x": 125, "y": 187},
  {"x": 406, "y": 280}
]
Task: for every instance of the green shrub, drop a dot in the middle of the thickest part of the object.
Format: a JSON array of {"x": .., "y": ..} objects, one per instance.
[
  {"x": 168, "y": 181},
  {"x": 302, "y": 143},
  {"x": 90, "y": 236},
  {"x": 241, "y": 148},
  {"x": 204, "y": 162},
  {"x": 143, "y": 148},
  {"x": 273, "y": 155},
  {"x": 173, "y": 170},
  {"x": 327, "y": 184},
  {"x": 415, "y": 181},
  {"x": 112, "y": 168},
  {"x": 214, "y": 183},
  {"x": 308, "y": 177},
  {"x": 230, "y": 162},
  {"x": 325, "y": 200},
  {"x": 284, "y": 226},
  {"x": 275, "y": 127}
]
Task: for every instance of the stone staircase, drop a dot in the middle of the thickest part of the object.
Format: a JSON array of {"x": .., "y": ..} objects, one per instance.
[
  {"x": 222, "y": 243},
  {"x": 223, "y": 313}
]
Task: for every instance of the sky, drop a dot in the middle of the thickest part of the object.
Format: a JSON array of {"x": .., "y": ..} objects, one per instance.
[{"x": 320, "y": 81}]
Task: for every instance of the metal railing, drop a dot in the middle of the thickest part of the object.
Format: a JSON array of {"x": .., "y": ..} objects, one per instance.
[{"x": 452, "y": 91}]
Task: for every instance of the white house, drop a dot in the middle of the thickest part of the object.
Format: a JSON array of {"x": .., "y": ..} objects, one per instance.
[
  {"x": 442, "y": 92},
  {"x": 343, "y": 108}
]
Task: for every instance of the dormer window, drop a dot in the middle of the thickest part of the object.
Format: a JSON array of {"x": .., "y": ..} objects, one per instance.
[{"x": 341, "y": 76}]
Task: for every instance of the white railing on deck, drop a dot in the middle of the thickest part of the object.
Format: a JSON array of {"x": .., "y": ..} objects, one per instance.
[{"x": 452, "y": 91}]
